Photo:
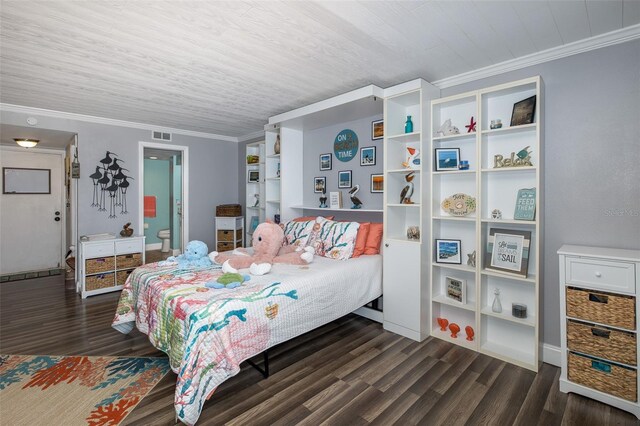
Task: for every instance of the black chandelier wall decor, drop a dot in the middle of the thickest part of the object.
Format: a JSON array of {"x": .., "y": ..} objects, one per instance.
[{"x": 110, "y": 185}]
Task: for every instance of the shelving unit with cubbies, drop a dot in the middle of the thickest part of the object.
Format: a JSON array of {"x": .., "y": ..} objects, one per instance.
[
  {"x": 501, "y": 335},
  {"x": 271, "y": 177},
  {"x": 255, "y": 206}
]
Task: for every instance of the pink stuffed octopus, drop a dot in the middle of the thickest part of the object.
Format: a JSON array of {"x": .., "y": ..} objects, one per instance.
[{"x": 267, "y": 250}]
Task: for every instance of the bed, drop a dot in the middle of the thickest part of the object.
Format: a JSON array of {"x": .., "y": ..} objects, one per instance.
[{"x": 207, "y": 333}]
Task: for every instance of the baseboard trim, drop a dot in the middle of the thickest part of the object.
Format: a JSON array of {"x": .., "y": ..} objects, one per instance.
[
  {"x": 153, "y": 246},
  {"x": 551, "y": 354}
]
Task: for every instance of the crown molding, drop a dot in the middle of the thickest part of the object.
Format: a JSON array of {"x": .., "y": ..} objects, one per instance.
[
  {"x": 111, "y": 122},
  {"x": 253, "y": 135},
  {"x": 581, "y": 46}
]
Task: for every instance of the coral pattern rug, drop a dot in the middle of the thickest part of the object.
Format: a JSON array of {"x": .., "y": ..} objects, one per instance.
[{"x": 74, "y": 390}]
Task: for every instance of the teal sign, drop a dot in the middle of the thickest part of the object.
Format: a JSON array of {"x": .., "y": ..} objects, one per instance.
[{"x": 345, "y": 147}]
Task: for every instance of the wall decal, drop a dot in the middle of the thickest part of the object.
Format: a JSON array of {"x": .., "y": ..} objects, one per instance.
[{"x": 110, "y": 178}]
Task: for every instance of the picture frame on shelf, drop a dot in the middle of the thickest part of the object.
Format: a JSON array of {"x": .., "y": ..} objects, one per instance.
[
  {"x": 368, "y": 156},
  {"x": 253, "y": 176},
  {"x": 524, "y": 111},
  {"x": 448, "y": 251},
  {"x": 508, "y": 251},
  {"x": 525, "y": 204},
  {"x": 377, "y": 183},
  {"x": 325, "y": 161},
  {"x": 455, "y": 290},
  {"x": 377, "y": 130},
  {"x": 344, "y": 179},
  {"x": 447, "y": 159},
  {"x": 319, "y": 184}
]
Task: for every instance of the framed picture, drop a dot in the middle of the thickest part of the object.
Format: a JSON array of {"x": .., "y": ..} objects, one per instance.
[
  {"x": 448, "y": 251},
  {"x": 344, "y": 179},
  {"x": 523, "y": 111},
  {"x": 253, "y": 175},
  {"x": 368, "y": 156},
  {"x": 254, "y": 224},
  {"x": 508, "y": 251},
  {"x": 377, "y": 130},
  {"x": 455, "y": 290},
  {"x": 325, "y": 161},
  {"x": 447, "y": 159},
  {"x": 525, "y": 204},
  {"x": 319, "y": 184},
  {"x": 377, "y": 183}
]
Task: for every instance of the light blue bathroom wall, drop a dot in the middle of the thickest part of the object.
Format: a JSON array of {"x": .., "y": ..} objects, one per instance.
[
  {"x": 157, "y": 183},
  {"x": 177, "y": 202}
]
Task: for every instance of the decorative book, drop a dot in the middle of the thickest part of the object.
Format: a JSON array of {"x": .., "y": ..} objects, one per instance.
[{"x": 335, "y": 200}]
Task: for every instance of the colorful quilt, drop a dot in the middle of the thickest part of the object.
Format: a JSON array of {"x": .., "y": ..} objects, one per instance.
[{"x": 207, "y": 332}]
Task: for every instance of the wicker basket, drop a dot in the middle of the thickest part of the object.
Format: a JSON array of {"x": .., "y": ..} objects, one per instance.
[
  {"x": 603, "y": 376},
  {"x": 602, "y": 342},
  {"x": 224, "y": 246},
  {"x": 228, "y": 235},
  {"x": 100, "y": 264},
  {"x": 121, "y": 276},
  {"x": 229, "y": 210},
  {"x": 604, "y": 308},
  {"x": 128, "y": 260},
  {"x": 96, "y": 282}
]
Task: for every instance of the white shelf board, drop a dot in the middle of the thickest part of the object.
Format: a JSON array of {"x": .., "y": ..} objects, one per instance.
[
  {"x": 273, "y": 178},
  {"x": 253, "y": 164},
  {"x": 443, "y": 300},
  {"x": 530, "y": 321},
  {"x": 511, "y": 222},
  {"x": 402, "y": 239},
  {"x": 509, "y": 354},
  {"x": 530, "y": 279},
  {"x": 336, "y": 210},
  {"x": 405, "y": 137},
  {"x": 455, "y": 218},
  {"x": 511, "y": 169},
  {"x": 461, "y": 340},
  {"x": 403, "y": 170},
  {"x": 273, "y": 156},
  {"x": 273, "y": 201},
  {"x": 461, "y": 267},
  {"x": 453, "y": 172},
  {"x": 514, "y": 129},
  {"x": 252, "y": 207},
  {"x": 404, "y": 205},
  {"x": 453, "y": 137}
]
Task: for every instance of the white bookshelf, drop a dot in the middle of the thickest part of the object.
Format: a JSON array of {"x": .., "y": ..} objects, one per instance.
[
  {"x": 271, "y": 178},
  {"x": 253, "y": 188},
  {"x": 496, "y": 334}
]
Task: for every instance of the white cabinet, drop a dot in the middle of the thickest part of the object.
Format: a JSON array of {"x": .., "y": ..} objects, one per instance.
[
  {"x": 104, "y": 265},
  {"x": 482, "y": 200},
  {"x": 599, "y": 309},
  {"x": 256, "y": 183},
  {"x": 229, "y": 233}
]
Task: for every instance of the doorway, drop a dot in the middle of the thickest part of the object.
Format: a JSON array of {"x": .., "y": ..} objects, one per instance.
[{"x": 164, "y": 198}]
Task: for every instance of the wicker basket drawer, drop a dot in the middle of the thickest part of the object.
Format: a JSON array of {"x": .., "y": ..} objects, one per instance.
[
  {"x": 99, "y": 264},
  {"x": 602, "y": 342},
  {"x": 603, "y": 376},
  {"x": 128, "y": 260},
  {"x": 604, "y": 308},
  {"x": 96, "y": 282},
  {"x": 225, "y": 246},
  {"x": 121, "y": 276},
  {"x": 228, "y": 235}
]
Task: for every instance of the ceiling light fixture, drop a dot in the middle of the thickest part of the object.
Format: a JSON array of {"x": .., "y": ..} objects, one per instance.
[{"x": 26, "y": 143}]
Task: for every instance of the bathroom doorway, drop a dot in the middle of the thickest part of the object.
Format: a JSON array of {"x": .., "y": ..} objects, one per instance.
[{"x": 164, "y": 199}]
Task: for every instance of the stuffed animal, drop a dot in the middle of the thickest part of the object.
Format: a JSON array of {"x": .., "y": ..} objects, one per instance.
[
  {"x": 447, "y": 129},
  {"x": 194, "y": 256},
  {"x": 228, "y": 280},
  {"x": 267, "y": 250}
]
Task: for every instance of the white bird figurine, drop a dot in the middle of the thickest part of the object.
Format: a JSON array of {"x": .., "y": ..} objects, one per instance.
[
  {"x": 413, "y": 160},
  {"x": 355, "y": 200},
  {"x": 407, "y": 191}
]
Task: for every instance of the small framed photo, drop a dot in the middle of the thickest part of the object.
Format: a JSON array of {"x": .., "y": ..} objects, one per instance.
[
  {"x": 344, "y": 179},
  {"x": 368, "y": 156},
  {"x": 448, "y": 251},
  {"x": 377, "y": 130},
  {"x": 508, "y": 251},
  {"x": 455, "y": 290},
  {"x": 447, "y": 159},
  {"x": 253, "y": 175},
  {"x": 524, "y": 111},
  {"x": 377, "y": 183},
  {"x": 325, "y": 161},
  {"x": 319, "y": 184}
]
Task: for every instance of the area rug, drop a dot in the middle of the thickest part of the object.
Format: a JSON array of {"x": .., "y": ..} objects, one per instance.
[{"x": 74, "y": 390}]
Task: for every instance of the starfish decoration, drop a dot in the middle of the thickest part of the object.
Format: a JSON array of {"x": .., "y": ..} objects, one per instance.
[{"x": 471, "y": 127}]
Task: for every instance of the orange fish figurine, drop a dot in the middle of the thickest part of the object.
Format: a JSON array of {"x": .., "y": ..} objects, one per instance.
[
  {"x": 455, "y": 329},
  {"x": 470, "y": 333}
]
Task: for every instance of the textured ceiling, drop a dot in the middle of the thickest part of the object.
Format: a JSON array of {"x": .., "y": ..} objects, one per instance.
[{"x": 225, "y": 67}]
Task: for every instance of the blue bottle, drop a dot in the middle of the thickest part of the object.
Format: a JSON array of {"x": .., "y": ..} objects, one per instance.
[{"x": 408, "y": 126}]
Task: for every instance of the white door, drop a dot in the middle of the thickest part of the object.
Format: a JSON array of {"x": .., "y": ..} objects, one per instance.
[
  {"x": 31, "y": 225},
  {"x": 401, "y": 284}
]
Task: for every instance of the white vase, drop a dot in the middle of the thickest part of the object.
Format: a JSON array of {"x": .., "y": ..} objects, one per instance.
[{"x": 497, "y": 306}]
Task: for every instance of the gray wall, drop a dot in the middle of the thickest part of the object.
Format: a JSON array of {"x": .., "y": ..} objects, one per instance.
[
  {"x": 213, "y": 175},
  {"x": 320, "y": 141},
  {"x": 592, "y": 156}
]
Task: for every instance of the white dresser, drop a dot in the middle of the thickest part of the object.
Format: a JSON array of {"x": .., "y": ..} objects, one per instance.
[
  {"x": 104, "y": 265},
  {"x": 229, "y": 233},
  {"x": 599, "y": 308}
]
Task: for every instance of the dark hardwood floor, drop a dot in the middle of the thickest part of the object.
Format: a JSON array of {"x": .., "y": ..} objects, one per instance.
[{"x": 349, "y": 372}]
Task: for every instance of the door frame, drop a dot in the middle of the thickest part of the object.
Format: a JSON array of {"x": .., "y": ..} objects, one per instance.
[
  {"x": 185, "y": 185},
  {"x": 63, "y": 209}
]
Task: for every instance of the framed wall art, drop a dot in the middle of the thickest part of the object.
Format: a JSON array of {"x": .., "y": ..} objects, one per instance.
[
  {"x": 455, "y": 290},
  {"x": 319, "y": 184},
  {"x": 447, "y": 159},
  {"x": 344, "y": 179},
  {"x": 508, "y": 251},
  {"x": 377, "y": 183},
  {"x": 368, "y": 156},
  {"x": 448, "y": 251},
  {"x": 377, "y": 130},
  {"x": 325, "y": 161},
  {"x": 523, "y": 111}
]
